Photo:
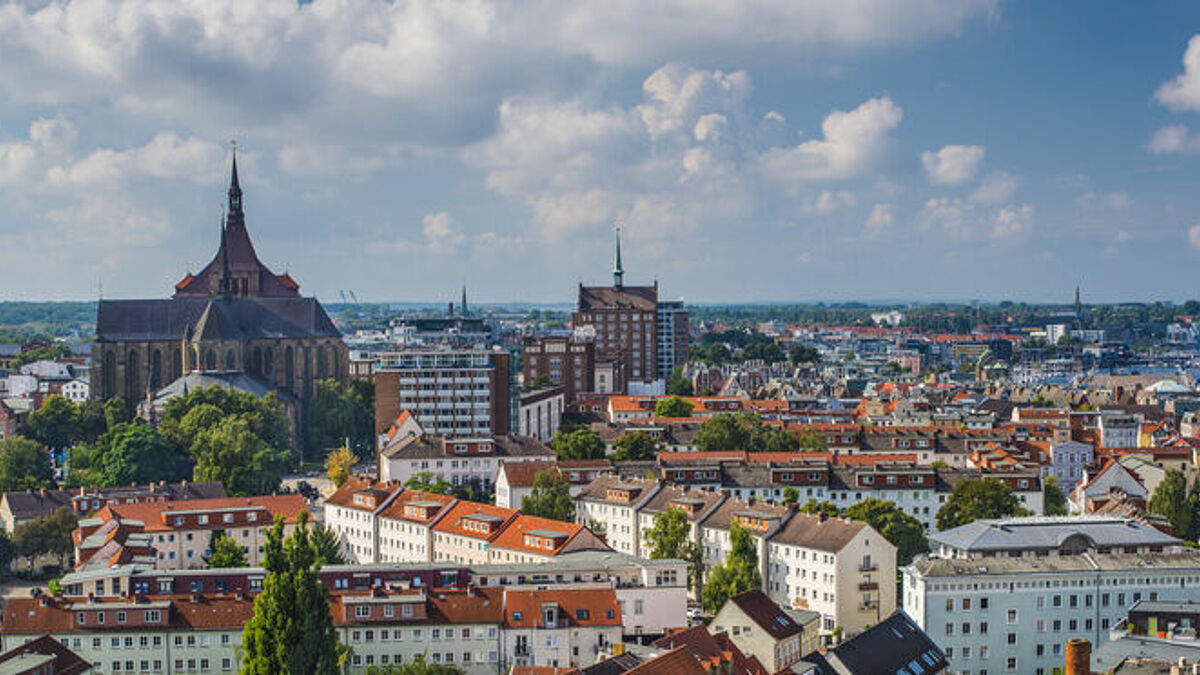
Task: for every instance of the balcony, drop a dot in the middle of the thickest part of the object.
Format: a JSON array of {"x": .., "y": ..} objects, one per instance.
[
  {"x": 868, "y": 586},
  {"x": 868, "y": 606},
  {"x": 868, "y": 567}
]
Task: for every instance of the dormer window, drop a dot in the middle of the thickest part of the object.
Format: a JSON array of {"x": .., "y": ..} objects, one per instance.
[{"x": 868, "y": 479}]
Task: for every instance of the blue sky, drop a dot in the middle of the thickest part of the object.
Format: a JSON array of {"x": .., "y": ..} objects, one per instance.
[{"x": 766, "y": 151}]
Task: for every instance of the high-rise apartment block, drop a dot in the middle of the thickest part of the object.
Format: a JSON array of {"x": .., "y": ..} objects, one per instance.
[{"x": 453, "y": 393}]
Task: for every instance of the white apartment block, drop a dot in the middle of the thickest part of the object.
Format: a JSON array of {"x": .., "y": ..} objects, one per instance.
[
  {"x": 352, "y": 514},
  {"x": 405, "y": 526},
  {"x": 1013, "y": 615},
  {"x": 459, "y": 460},
  {"x": 609, "y": 505},
  {"x": 561, "y": 627}
]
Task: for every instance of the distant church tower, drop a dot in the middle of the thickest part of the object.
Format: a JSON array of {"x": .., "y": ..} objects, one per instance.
[{"x": 618, "y": 270}]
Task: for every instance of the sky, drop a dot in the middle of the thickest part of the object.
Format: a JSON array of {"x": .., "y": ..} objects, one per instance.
[{"x": 756, "y": 151}]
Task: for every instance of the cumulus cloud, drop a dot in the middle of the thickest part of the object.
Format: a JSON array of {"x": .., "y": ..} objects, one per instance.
[
  {"x": 996, "y": 187},
  {"x": 879, "y": 220},
  {"x": 953, "y": 164},
  {"x": 963, "y": 219},
  {"x": 676, "y": 94},
  {"x": 830, "y": 200},
  {"x": 1183, "y": 91},
  {"x": 852, "y": 143},
  {"x": 109, "y": 221},
  {"x": 1174, "y": 139},
  {"x": 1112, "y": 200},
  {"x": 167, "y": 156},
  {"x": 1012, "y": 221}
]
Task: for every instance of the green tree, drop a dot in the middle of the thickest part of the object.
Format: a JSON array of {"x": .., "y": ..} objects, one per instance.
[
  {"x": 53, "y": 424},
  {"x": 773, "y": 439},
  {"x": 264, "y": 417},
  {"x": 1054, "y": 503},
  {"x": 116, "y": 411},
  {"x": 815, "y": 507},
  {"x": 904, "y": 531},
  {"x": 541, "y": 382},
  {"x": 550, "y": 497},
  {"x": 49, "y": 352},
  {"x": 8, "y": 551},
  {"x": 292, "y": 628},
  {"x": 90, "y": 421},
  {"x": 976, "y": 498},
  {"x": 636, "y": 445},
  {"x": 811, "y": 439},
  {"x": 339, "y": 464},
  {"x": 225, "y": 552},
  {"x": 803, "y": 354},
  {"x": 725, "y": 431},
  {"x": 1171, "y": 501},
  {"x": 325, "y": 543},
  {"x": 791, "y": 495},
  {"x": 232, "y": 454},
  {"x": 673, "y": 406},
  {"x": 342, "y": 412},
  {"x": 49, "y": 535},
  {"x": 582, "y": 443},
  {"x": 677, "y": 384},
  {"x": 670, "y": 537},
  {"x": 737, "y": 574},
  {"x": 24, "y": 465},
  {"x": 133, "y": 453},
  {"x": 427, "y": 482}
]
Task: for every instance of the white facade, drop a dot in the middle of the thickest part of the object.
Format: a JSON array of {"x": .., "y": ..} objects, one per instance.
[
  {"x": 1067, "y": 461},
  {"x": 1014, "y": 615},
  {"x": 76, "y": 391},
  {"x": 542, "y": 417}
]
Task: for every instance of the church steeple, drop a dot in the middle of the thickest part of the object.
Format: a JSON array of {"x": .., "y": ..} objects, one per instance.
[
  {"x": 618, "y": 270},
  {"x": 235, "y": 218},
  {"x": 464, "y": 301},
  {"x": 225, "y": 283}
]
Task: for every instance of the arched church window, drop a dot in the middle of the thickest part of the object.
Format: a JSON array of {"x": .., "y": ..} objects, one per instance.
[{"x": 230, "y": 360}]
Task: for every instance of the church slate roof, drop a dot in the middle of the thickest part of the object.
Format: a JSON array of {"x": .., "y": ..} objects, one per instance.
[{"x": 224, "y": 319}]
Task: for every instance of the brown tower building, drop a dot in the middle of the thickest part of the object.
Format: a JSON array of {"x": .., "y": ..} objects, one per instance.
[
  {"x": 235, "y": 321},
  {"x": 625, "y": 322}
]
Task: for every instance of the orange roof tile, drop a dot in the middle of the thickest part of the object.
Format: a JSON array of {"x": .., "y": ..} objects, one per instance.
[
  {"x": 451, "y": 523},
  {"x": 150, "y": 513},
  {"x": 512, "y": 537},
  {"x": 523, "y": 608}
]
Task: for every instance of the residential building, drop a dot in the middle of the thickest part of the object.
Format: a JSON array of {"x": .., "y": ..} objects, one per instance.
[
  {"x": 530, "y": 539},
  {"x": 762, "y": 520},
  {"x": 1035, "y": 537},
  {"x": 560, "y": 627},
  {"x": 515, "y": 480},
  {"x": 77, "y": 390},
  {"x": 568, "y": 361},
  {"x": 540, "y": 411},
  {"x": 461, "y": 460},
  {"x": 352, "y": 513},
  {"x": 1119, "y": 430},
  {"x": 1067, "y": 462},
  {"x": 464, "y": 532},
  {"x": 695, "y": 504},
  {"x": 43, "y": 656},
  {"x": 609, "y": 506},
  {"x": 1013, "y": 615},
  {"x": 673, "y": 337},
  {"x": 1114, "y": 480},
  {"x": 895, "y": 645},
  {"x": 762, "y": 629},
  {"x": 842, "y": 569},
  {"x": 17, "y": 508},
  {"x": 405, "y": 525},
  {"x": 452, "y": 392},
  {"x": 174, "y": 535},
  {"x": 694, "y": 651}
]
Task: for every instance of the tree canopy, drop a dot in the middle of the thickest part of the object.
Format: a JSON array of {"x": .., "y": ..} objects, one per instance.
[
  {"x": 976, "y": 498},
  {"x": 673, "y": 406},
  {"x": 677, "y": 384},
  {"x": 1172, "y": 501},
  {"x": 234, "y": 455},
  {"x": 134, "y": 453},
  {"x": 225, "y": 552},
  {"x": 24, "y": 465},
  {"x": 636, "y": 445},
  {"x": 339, "y": 464},
  {"x": 427, "y": 482},
  {"x": 744, "y": 431},
  {"x": 292, "y": 628},
  {"x": 549, "y": 498},
  {"x": 670, "y": 537},
  {"x": 815, "y": 507},
  {"x": 54, "y": 424},
  {"x": 582, "y": 443},
  {"x": 49, "y": 535},
  {"x": 1054, "y": 503},
  {"x": 904, "y": 531},
  {"x": 341, "y": 412},
  {"x": 737, "y": 574}
]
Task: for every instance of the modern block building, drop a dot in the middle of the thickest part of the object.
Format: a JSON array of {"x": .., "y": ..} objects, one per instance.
[
  {"x": 453, "y": 392},
  {"x": 569, "y": 361}
]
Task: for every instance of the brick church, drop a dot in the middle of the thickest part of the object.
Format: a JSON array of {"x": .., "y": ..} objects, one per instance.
[{"x": 234, "y": 323}]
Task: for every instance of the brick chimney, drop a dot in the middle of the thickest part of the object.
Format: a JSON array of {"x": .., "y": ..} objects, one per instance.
[{"x": 1079, "y": 657}]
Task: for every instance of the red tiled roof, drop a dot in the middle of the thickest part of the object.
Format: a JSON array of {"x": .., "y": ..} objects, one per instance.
[
  {"x": 150, "y": 513},
  {"x": 600, "y": 605},
  {"x": 521, "y": 474},
  {"x": 395, "y": 510},
  {"x": 512, "y": 537},
  {"x": 451, "y": 523}
]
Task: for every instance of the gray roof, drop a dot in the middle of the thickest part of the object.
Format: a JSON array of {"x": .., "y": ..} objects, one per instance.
[
  {"x": 1041, "y": 532},
  {"x": 431, "y": 447},
  {"x": 888, "y": 647},
  {"x": 1110, "y": 654},
  {"x": 231, "y": 380},
  {"x": 1055, "y": 564},
  {"x": 224, "y": 318}
]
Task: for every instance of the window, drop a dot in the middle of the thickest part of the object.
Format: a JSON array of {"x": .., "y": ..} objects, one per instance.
[
  {"x": 1012, "y": 638},
  {"x": 1012, "y": 615},
  {"x": 362, "y": 612}
]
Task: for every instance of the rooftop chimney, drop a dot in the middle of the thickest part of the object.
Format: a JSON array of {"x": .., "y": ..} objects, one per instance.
[{"x": 1079, "y": 657}]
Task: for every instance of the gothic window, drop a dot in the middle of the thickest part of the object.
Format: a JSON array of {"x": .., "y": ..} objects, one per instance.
[
  {"x": 156, "y": 370},
  {"x": 176, "y": 364},
  {"x": 210, "y": 360},
  {"x": 230, "y": 360},
  {"x": 110, "y": 374},
  {"x": 133, "y": 389},
  {"x": 289, "y": 369},
  {"x": 320, "y": 363},
  {"x": 268, "y": 366},
  {"x": 257, "y": 363}
]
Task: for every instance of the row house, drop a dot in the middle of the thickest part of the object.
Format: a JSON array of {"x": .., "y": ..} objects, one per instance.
[
  {"x": 560, "y": 628},
  {"x": 624, "y": 409},
  {"x": 17, "y": 508},
  {"x": 461, "y": 460},
  {"x": 175, "y": 535},
  {"x": 406, "y": 525},
  {"x": 515, "y": 479},
  {"x": 352, "y": 512},
  {"x": 609, "y": 505}
]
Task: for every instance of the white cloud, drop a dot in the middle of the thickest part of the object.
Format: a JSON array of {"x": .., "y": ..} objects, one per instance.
[
  {"x": 109, "y": 221},
  {"x": 1012, "y": 221},
  {"x": 559, "y": 214},
  {"x": 963, "y": 219},
  {"x": 326, "y": 160},
  {"x": 1174, "y": 139},
  {"x": 852, "y": 143},
  {"x": 879, "y": 220},
  {"x": 1183, "y": 91},
  {"x": 167, "y": 156},
  {"x": 1111, "y": 200},
  {"x": 1193, "y": 235},
  {"x": 676, "y": 96},
  {"x": 440, "y": 234},
  {"x": 996, "y": 187},
  {"x": 953, "y": 164},
  {"x": 829, "y": 201}
]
